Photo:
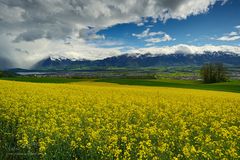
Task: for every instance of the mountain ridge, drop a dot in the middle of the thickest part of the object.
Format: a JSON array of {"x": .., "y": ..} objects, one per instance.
[{"x": 142, "y": 60}]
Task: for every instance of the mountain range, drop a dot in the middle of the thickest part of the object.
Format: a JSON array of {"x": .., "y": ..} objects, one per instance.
[{"x": 140, "y": 60}]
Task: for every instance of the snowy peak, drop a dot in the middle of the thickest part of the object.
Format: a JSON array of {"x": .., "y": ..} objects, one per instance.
[
  {"x": 142, "y": 60},
  {"x": 63, "y": 58},
  {"x": 57, "y": 58}
]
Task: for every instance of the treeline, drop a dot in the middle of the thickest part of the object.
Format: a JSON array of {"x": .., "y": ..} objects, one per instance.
[{"x": 214, "y": 72}]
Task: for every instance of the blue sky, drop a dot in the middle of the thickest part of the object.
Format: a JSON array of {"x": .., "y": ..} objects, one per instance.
[
  {"x": 198, "y": 30},
  {"x": 90, "y": 29}
]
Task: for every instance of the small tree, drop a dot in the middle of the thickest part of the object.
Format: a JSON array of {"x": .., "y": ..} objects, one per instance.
[{"x": 213, "y": 72}]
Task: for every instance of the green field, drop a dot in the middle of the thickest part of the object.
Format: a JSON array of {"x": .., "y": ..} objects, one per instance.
[
  {"x": 43, "y": 79},
  {"x": 231, "y": 86}
]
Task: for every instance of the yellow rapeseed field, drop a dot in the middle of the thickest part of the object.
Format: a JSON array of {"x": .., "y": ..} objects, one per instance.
[{"x": 90, "y": 121}]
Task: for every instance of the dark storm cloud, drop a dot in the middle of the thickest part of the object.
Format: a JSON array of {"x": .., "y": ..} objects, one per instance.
[
  {"x": 29, "y": 36},
  {"x": 5, "y": 63}
]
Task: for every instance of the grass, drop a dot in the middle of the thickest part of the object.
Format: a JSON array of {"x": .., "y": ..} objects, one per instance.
[{"x": 231, "y": 86}]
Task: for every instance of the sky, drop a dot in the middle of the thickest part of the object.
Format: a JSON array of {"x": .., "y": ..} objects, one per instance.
[{"x": 31, "y": 30}]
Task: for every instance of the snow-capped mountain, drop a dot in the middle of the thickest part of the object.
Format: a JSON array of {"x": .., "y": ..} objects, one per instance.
[
  {"x": 142, "y": 60},
  {"x": 63, "y": 58}
]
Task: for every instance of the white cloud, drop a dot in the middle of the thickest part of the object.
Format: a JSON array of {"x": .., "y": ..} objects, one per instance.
[
  {"x": 187, "y": 49},
  {"x": 149, "y": 44},
  {"x": 42, "y": 48},
  {"x": 164, "y": 38},
  {"x": 153, "y": 40},
  {"x": 140, "y": 24},
  {"x": 156, "y": 33},
  {"x": 144, "y": 34},
  {"x": 232, "y": 36},
  {"x": 238, "y": 27},
  {"x": 90, "y": 34},
  {"x": 153, "y": 37},
  {"x": 69, "y": 16},
  {"x": 224, "y": 2},
  {"x": 228, "y": 38}
]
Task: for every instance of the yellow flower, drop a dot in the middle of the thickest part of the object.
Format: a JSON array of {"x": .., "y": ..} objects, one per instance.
[
  {"x": 73, "y": 145},
  {"x": 124, "y": 139},
  {"x": 122, "y": 122},
  {"x": 186, "y": 151},
  {"x": 89, "y": 145},
  {"x": 42, "y": 147}
]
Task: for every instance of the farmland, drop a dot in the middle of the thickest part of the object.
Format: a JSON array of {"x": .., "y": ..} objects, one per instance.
[
  {"x": 100, "y": 120},
  {"x": 230, "y": 86}
]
